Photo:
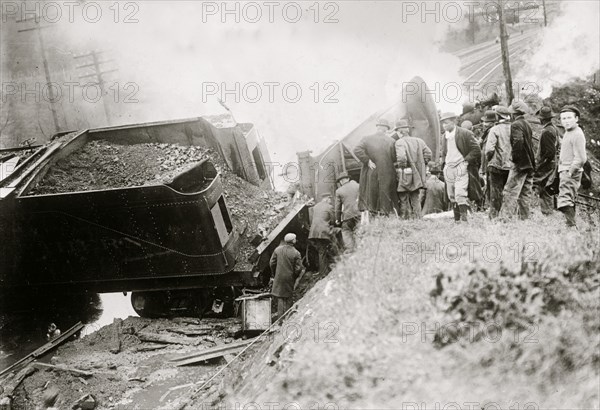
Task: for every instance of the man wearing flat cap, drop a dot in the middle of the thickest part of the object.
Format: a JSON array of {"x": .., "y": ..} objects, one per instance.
[
  {"x": 483, "y": 129},
  {"x": 570, "y": 164},
  {"x": 519, "y": 186},
  {"x": 286, "y": 265},
  {"x": 461, "y": 156},
  {"x": 321, "y": 233},
  {"x": 378, "y": 176},
  {"x": 498, "y": 153},
  {"x": 346, "y": 209},
  {"x": 412, "y": 156},
  {"x": 546, "y": 158}
]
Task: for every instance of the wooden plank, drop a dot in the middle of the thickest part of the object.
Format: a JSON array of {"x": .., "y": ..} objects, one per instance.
[
  {"x": 211, "y": 353},
  {"x": 158, "y": 338},
  {"x": 61, "y": 368}
]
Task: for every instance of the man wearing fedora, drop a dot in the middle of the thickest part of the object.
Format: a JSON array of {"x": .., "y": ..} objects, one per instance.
[
  {"x": 461, "y": 156},
  {"x": 346, "y": 209},
  {"x": 546, "y": 158},
  {"x": 497, "y": 152},
  {"x": 377, "y": 192},
  {"x": 570, "y": 165},
  {"x": 286, "y": 266},
  {"x": 518, "y": 188},
  {"x": 412, "y": 156}
]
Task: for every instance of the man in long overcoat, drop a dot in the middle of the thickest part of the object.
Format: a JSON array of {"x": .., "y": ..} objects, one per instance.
[
  {"x": 461, "y": 156},
  {"x": 412, "y": 156},
  {"x": 378, "y": 176},
  {"x": 286, "y": 265}
]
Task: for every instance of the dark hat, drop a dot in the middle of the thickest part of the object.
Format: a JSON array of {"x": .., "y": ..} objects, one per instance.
[
  {"x": 401, "y": 124},
  {"x": 384, "y": 123},
  {"x": 519, "y": 107},
  {"x": 489, "y": 116},
  {"x": 503, "y": 111},
  {"x": 447, "y": 115},
  {"x": 342, "y": 176},
  {"x": 545, "y": 113},
  {"x": 571, "y": 108},
  {"x": 467, "y": 108}
]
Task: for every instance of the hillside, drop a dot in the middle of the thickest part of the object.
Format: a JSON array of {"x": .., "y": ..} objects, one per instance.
[{"x": 513, "y": 322}]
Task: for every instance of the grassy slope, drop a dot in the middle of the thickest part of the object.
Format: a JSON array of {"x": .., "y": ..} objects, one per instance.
[{"x": 365, "y": 354}]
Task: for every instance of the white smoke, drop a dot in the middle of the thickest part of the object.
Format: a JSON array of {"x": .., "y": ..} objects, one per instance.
[
  {"x": 347, "y": 70},
  {"x": 569, "y": 48}
]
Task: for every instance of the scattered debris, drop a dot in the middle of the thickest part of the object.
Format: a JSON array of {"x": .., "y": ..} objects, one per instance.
[
  {"x": 87, "y": 402},
  {"x": 116, "y": 338},
  {"x": 62, "y": 368},
  {"x": 158, "y": 338}
]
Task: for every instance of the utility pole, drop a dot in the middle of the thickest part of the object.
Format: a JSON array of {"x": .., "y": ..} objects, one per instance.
[
  {"x": 504, "y": 48},
  {"x": 99, "y": 77},
  {"x": 545, "y": 15},
  {"x": 51, "y": 95}
]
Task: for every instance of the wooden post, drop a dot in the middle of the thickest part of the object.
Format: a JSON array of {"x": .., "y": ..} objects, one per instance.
[
  {"x": 545, "y": 15},
  {"x": 505, "y": 57},
  {"x": 51, "y": 95}
]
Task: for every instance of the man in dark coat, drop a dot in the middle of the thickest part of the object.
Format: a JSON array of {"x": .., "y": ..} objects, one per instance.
[
  {"x": 321, "y": 233},
  {"x": 377, "y": 192},
  {"x": 435, "y": 199},
  {"x": 286, "y": 265},
  {"x": 461, "y": 158},
  {"x": 546, "y": 158},
  {"x": 346, "y": 209},
  {"x": 518, "y": 188},
  {"x": 487, "y": 122}
]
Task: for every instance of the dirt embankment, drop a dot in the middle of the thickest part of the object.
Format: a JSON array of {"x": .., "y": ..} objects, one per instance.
[{"x": 430, "y": 314}]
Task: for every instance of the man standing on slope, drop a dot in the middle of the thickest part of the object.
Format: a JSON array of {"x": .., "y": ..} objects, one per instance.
[
  {"x": 412, "y": 156},
  {"x": 377, "y": 192},
  {"x": 570, "y": 165},
  {"x": 518, "y": 188},
  {"x": 286, "y": 265},
  {"x": 461, "y": 155}
]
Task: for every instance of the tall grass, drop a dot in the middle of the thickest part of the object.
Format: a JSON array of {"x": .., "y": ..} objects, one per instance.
[{"x": 367, "y": 335}]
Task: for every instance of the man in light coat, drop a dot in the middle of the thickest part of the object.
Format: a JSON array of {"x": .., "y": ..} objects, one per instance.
[
  {"x": 570, "y": 165},
  {"x": 461, "y": 156},
  {"x": 286, "y": 265},
  {"x": 518, "y": 188},
  {"x": 377, "y": 192},
  {"x": 498, "y": 154},
  {"x": 346, "y": 209},
  {"x": 412, "y": 156},
  {"x": 321, "y": 233}
]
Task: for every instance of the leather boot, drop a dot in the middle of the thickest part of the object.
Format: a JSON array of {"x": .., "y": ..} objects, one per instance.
[
  {"x": 464, "y": 210},
  {"x": 569, "y": 212},
  {"x": 456, "y": 212}
]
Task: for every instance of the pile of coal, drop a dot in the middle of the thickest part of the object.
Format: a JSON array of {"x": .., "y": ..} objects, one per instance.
[{"x": 103, "y": 165}]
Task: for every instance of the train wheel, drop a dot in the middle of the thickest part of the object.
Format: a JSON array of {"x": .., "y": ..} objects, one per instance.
[{"x": 150, "y": 304}]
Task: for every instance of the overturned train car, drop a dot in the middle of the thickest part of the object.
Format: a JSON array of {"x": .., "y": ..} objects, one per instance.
[
  {"x": 318, "y": 173},
  {"x": 173, "y": 245}
]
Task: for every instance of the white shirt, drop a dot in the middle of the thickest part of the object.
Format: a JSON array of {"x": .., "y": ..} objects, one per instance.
[{"x": 453, "y": 156}]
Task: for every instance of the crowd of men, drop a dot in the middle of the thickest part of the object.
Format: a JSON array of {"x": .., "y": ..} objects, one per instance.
[{"x": 488, "y": 162}]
